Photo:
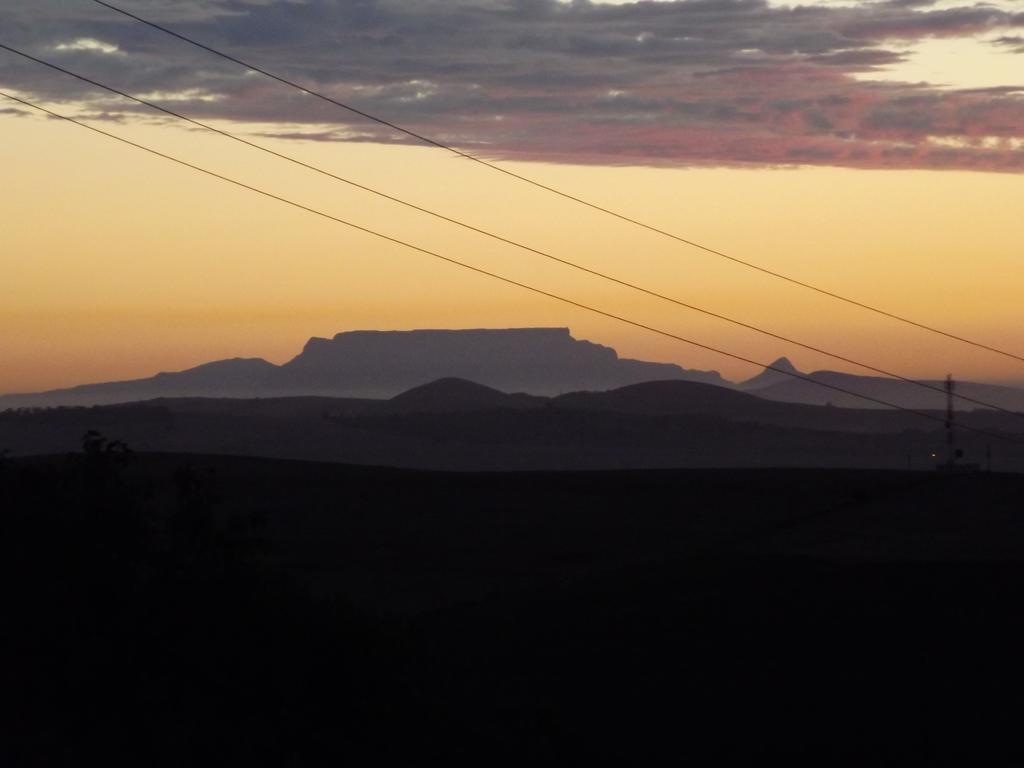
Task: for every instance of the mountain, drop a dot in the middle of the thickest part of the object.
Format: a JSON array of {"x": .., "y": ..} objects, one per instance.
[
  {"x": 539, "y": 361},
  {"x": 898, "y": 393},
  {"x": 771, "y": 385},
  {"x": 380, "y": 364},
  {"x": 773, "y": 374},
  {"x": 536, "y": 361},
  {"x": 238, "y": 377}
]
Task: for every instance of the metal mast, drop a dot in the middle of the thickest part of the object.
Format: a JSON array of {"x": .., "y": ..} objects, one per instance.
[{"x": 950, "y": 422}]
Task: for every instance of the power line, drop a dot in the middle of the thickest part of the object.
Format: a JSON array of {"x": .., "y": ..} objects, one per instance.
[
  {"x": 487, "y": 273},
  {"x": 505, "y": 240},
  {"x": 554, "y": 190}
]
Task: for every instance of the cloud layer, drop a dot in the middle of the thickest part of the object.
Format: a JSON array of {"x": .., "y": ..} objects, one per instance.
[{"x": 696, "y": 82}]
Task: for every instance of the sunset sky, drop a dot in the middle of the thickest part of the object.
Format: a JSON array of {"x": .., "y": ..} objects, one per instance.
[{"x": 875, "y": 149}]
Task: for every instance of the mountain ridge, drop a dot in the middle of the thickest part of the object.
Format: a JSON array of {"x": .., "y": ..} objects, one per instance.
[
  {"x": 463, "y": 426},
  {"x": 772, "y": 374},
  {"x": 899, "y": 393},
  {"x": 381, "y": 364},
  {"x": 548, "y": 362}
]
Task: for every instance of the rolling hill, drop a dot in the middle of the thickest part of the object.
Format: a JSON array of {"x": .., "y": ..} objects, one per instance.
[{"x": 455, "y": 424}]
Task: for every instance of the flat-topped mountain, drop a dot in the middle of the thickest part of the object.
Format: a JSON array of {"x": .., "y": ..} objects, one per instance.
[
  {"x": 382, "y": 364},
  {"x": 540, "y": 361}
]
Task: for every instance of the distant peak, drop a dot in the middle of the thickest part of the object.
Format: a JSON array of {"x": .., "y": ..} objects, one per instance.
[
  {"x": 783, "y": 364},
  {"x": 779, "y": 371}
]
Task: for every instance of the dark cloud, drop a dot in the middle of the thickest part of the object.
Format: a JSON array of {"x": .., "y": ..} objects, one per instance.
[
  {"x": 1013, "y": 42},
  {"x": 955, "y": 22},
  {"x": 692, "y": 82},
  {"x": 910, "y": 3}
]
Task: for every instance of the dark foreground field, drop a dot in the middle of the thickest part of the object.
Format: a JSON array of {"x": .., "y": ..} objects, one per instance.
[{"x": 175, "y": 610}]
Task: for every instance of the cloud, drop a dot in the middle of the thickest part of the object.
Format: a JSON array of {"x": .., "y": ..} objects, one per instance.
[
  {"x": 87, "y": 44},
  {"x": 1013, "y": 42},
  {"x": 695, "y": 82}
]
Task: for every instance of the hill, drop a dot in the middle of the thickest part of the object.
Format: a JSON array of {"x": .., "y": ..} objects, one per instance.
[
  {"x": 459, "y": 425},
  {"x": 456, "y": 396}
]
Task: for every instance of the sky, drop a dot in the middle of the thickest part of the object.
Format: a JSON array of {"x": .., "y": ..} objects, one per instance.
[{"x": 875, "y": 149}]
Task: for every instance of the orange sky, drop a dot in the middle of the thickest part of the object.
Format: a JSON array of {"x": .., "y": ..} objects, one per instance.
[{"x": 114, "y": 264}]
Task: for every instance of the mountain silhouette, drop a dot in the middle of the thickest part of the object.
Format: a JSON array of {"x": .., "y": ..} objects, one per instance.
[
  {"x": 894, "y": 391},
  {"x": 237, "y": 377},
  {"x": 455, "y": 424},
  {"x": 773, "y": 374},
  {"x": 686, "y": 398},
  {"x": 775, "y": 385},
  {"x": 667, "y": 397},
  {"x": 536, "y": 361},
  {"x": 382, "y": 364},
  {"x": 539, "y": 361},
  {"x": 457, "y": 396}
]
